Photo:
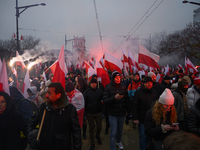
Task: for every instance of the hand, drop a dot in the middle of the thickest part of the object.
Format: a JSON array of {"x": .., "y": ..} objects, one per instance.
[
  {"x": 176, "y": 127},
  {"x": 117, "y": 96},
  {"x": 167, "y": 127},
  {"x": 136, "y": 121},
  {"x": 34, "y": 144}
]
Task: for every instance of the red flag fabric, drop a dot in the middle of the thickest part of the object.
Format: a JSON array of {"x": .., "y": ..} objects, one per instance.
[
  {"x": 89, "y": 71},
  {"x": 53, "y": 67},
  {"x": 132, "y": 62},
  {"x": 148, "y": 58},
  {"x": 113, "y": 63},
  {"x": 158, "y": 78},
  {"x": 191, "y": 66},
  {"x": 26, "y": 84},
  {"x": 19, "y": 61},
  {"x": 21, "y": 38},
  {"x": 167, "y": 71},
  {"x": 59, "y": 74},
  {"x": 4, "y": 79},
  {"x": 14, "y": 35},
  {"x": 105, "y": 79}
]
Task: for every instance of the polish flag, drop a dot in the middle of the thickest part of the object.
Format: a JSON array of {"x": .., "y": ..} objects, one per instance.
[
  {"x": 133, "y": 63},
  {"x": 180, "y": 67},
  {"x": 14, "y": 35},
  {"x": 191, "y": 66},
  {"x": 158, "y": 78},
  {"x": 59, "y": 74},
  {"x": 105, "y": 79},
  {"x": 186, "y": 67},
  {"x": 19, "y": 61},
  {"x": 53, "y": 67},
  {"x": 113, "y": 63},
  {"x": 125, "y": 59},
  {"x": 26, "y": 84},
  {"x": 83, "y": 64},
  {"x": 0, "y": 65},
  {"x": 101, "y": 62},
  {"x": 66, "y": 70},
  {"x": 14, "y": 71},
  {"x": 89, "y": 71},
  {"x": 4, "y": 79},
  {"x": 44, "y": 76},
  {"x": 21, "y": 38},
  {"x": 167, "y": 70},
  {"x": 126, "y": 72},
  {"x": 148, "y": 58}
]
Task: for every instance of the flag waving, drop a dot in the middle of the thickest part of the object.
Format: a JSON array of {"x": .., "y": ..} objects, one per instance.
[
  {"x": 4, "y": 79},
  {"x": 103, "y": 75},
  {"x": 59, "y": 74},
  {"x": 26, "y": 84}
]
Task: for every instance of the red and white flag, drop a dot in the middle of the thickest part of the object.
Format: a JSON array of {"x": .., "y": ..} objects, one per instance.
[
  {"x": 105, "y": 79},
  {"x": 26, "y": 84},
  {"x": 4, "y": 79},
  {"x": 148, "y": 58},
  {"x": 101, "y": 61},
  {"x": 167, "y": 71},
  {"x": 14, "y": 71},
  {"x": 125, "y": 59},
  {"x": 133, "y": 63},
  {"x": 44, "y": 76},
  {"x": 158, "y": 78},
  {"x": 89, "y": 71},
  {"x": 1, "y": 65},
  {"x": 191, "y": 66},
  {"x": 53, "y": 67},
  {"x": 180, "y": 67},
  {"x": 113, "y": 63},
  {"x": 19, "y": 61},
  {"x": 14, "y": 35},
  {"x": 66, "y": 70},
  {"x": 59, "y": 74}
]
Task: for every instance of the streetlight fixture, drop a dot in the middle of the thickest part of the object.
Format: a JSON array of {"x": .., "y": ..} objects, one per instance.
[
  {"x": 18, "y": 14},
  {"x": 191, "y": 2}
]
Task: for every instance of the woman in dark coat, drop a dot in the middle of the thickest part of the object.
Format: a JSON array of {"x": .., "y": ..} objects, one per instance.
[{"x": 11, "y": 123}]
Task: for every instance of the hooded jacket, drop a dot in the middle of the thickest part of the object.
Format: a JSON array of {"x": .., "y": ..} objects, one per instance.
[
  {"x": 192, "y": 96},
  {"x": 11, "y": 123},
  {"x": 60, "y": 124},
  {"x": 25, "y": 107},
  {"x": 35, "y": 98}
]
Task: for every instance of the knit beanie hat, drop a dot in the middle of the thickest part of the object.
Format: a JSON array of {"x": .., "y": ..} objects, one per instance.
[
  {"x": 197, "y": 81},
  {"x": 114, "y": 74},
  {"x": 69, "y": 87},
  {"x": 93, "y": 80},
  {"x": 187, "y": 78},
  {"x": 166, "y": 97},
  {"x": 147, "y": 79},
  {"x": 151, "y": 74}
]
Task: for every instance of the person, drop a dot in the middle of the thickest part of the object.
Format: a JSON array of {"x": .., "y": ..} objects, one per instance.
[
  {"x": 193, "y": 93},
  {"x": 116, "y": 98},
  {"x": 72, "y": 77},
  {"x": 193, "y": 119},
  {"x": 159, "y": 120},
  {"x": 156, "y": 85},
  {"x": 180, "y": 102},
  {"x": 129, "y": 80},
  {"x": 143, "y": 99},
  {"x": 181, "y": 141},
  {"x": 75, "y": 97},
  {"x": 165, "y": 83},
  {"x": 93, "y": 97},
  {"x": 33, "y": 96},
  {"x": 60, "y": 122},
  {"x": 11, "y": 123}
]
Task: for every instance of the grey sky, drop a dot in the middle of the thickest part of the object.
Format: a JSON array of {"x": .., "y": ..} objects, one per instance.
[{"x": 77, "y": 17}]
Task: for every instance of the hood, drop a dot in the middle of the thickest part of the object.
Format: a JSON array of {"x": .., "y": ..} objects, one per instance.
[
  {"x": 33, "y": 90},
  {"x": 15, "y": 94}
]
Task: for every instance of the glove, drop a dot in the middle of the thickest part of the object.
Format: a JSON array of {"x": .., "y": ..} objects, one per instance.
[{"x": 34, "y": 144}]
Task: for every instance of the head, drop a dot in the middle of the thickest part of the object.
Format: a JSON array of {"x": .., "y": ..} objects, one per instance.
[
  {"x": 34, "y": 82},
  {"x": 116, "y": 77},
  {"x": 167, "y": 79},
  {"x": 183, "y": 85},
  {"x": 148, "y": 83},
  {"x": 55, "y": 93},
  {"x": 6, "y": 103},
  {"x": 2, "y": 104},
  {"x": 72, "y": 74},
  {"x": 69, "y": 88},
  {"x": 166, "y": 99},
  {"x": 32, "y": 90},
  {"x": 152, "y": 75},
  {"x": 131, "y": 76},
  {"x": 181, "y": 140},
  {"x": 94, "y": 76},
  {"x": 68, "y": 74},
  {"x": 136, "y": 77},
  {"x": 197, "y": 83},
  {"x": 93, "y": 83}
]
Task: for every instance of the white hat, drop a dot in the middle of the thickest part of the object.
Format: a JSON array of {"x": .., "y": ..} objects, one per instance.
[
  {"x": 151, "y": 74},
  {"x": 166, "y": 97}
]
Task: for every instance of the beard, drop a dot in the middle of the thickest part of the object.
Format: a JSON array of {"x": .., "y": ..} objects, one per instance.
[{"x": 53, "y": 102}]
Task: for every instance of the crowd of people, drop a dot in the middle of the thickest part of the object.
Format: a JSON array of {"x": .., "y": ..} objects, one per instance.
[{"x": 167, "y": 114}]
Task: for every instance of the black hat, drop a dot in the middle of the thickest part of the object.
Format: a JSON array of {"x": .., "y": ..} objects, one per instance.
[
  {"x": 114, "y": 74},
  {"x": 166, "y": 78},
  {"x": 147, "y": 79},
  {"x": 137, "y": 74},
  {"x": 180, "y": 71},
  {"x": 69, "y": 87},
  {"x": 93, "y": 80}
]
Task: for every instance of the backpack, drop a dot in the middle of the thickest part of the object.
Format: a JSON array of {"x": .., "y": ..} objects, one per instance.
[{"x": 34, "y": 107}]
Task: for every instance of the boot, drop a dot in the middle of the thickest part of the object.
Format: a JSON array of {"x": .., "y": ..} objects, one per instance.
[{"x": 84, "y": 131}]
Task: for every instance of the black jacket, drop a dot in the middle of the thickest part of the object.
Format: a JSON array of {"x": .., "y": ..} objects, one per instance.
[
  {"x": 165, "y": 85},
  {"x": 11, "y": 123},
  {"x": 58, "y": 127},
  {"x": 157, "y": 88},
  {"x": 142, "y": 102},
  {"x": 193, "y": 120},
  {"x": 93, "y": 99},
  {"x": 116, "y": 107},
  {"x": 153, "y": 130}
]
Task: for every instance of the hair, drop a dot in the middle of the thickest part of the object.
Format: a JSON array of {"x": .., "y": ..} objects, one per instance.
[
  {"x": 181, "y": 141},
  {"x": 158, "y": 114},
  {"x": 58, "y": 89}
]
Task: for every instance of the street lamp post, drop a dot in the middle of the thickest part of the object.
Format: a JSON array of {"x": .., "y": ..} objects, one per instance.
[
  {"x": 18, "y": 14},
  {"x": 195, "y": 3}
]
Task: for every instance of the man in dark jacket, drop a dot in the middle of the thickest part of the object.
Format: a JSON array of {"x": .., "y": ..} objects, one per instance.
[
  {"x": 165, "y": 83},
  {"x": 116, "y": 99},
  {"x": 60, "y": 122},
  {"x": 93, "y": 97},
  {"x": 143, "y": 99}
]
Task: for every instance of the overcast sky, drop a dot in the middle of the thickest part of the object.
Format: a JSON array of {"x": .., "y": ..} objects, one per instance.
[{"x": 58, "y": 18}]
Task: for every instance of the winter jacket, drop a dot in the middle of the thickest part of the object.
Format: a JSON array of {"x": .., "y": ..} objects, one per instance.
[
  {"x": 132, "y": 87},
  {"x": 164, "y": 85},
  {"x": 178, "y": 104},
  {"x": 35, "y": 98},
  {"x": 157, "y": 88},
  {"x": 192, "y": 96},
  {"x": 142, "y": 102},
  {"x": 60, "y": 124},
  {"x": 193, "y": 120},
  {"x": 116, "y": 107},
  {"x": 25, "y": 107},
  {"x": 153, "y": 130},
  {"x": 11, "y": 123},
  {"x": 93, "y": 99}
]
